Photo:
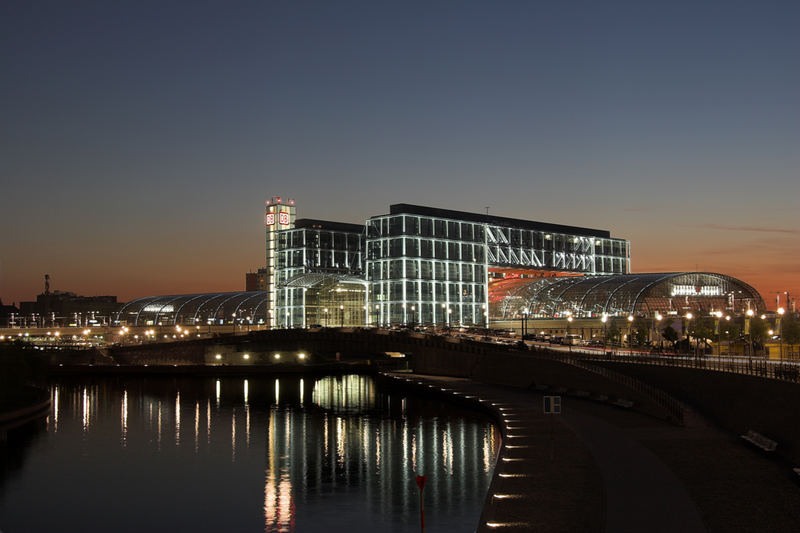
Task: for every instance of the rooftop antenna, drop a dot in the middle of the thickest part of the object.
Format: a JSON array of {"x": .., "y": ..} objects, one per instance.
[
  {"x": 47, "y": 283},
  {"x": 487, "y": 210}
]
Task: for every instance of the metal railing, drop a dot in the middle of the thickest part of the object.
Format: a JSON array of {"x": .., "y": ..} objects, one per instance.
[
  {"x": 674, "y": 407},
  {"x": 754, "y": 366}
]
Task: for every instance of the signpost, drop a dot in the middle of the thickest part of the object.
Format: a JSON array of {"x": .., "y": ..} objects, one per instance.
[{"x": 551, "y": 406}]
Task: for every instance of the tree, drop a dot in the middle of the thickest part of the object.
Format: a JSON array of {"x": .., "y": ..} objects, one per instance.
[
  {"x": 670, "y": 334},
  {"x": 758, "y": 330},
  {"x": 731, "y": 331},
  {"x": 790, "y": 331},
  {"x": 613, "y": 331},
  {"x": 642, "y": 332},
  {"x": 702, "y": 329}
]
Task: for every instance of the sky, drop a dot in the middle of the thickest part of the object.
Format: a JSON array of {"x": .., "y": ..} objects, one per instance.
[{"x": 140, "y": 140}]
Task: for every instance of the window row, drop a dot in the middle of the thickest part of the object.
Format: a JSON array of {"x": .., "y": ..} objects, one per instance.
[
  {"x": 426, "y": 270},
  {"x": 421, "y": 291}
]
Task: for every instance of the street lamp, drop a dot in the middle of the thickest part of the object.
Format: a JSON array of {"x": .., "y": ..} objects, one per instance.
[
  {"x": 630, "y": 334},
  {"x": 523, "y": 319},
  {"x": 749, "y": 314},
  {"x": 413, "y": 315},
  {"x": 569, "y": 339},
  {"x": 326, "y": 317},
  {"x": 689, "y": 317},
  {"x": 728, "y": 333},
  {"x": 604, "y": 320},
  {"x": 781, "y": 311},
  {"x": 657, "y": 327},
  {"x": 341, "y": 316}
]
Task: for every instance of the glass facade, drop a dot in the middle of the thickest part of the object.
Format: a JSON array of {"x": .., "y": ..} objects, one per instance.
[
  {"x": 320, "y": 274},
  {"x": 432, "y": 266},
  {"x": 426, "y": 270},
  {"x": 642, "y": 295},
  {"x": 218, "y": 308}
]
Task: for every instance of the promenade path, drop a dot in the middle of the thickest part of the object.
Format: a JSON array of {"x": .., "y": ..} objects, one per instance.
[{"x": 600, "y": 468}]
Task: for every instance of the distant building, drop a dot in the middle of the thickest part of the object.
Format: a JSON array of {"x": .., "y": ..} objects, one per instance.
[
  {"x": 256, "y": 281},
  {"x": 59, "y": 308},
  {"x": 8, "y": 315}
]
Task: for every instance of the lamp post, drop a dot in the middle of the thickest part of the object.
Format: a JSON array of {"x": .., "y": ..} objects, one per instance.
[
  {"x": 604, "y": 320},
  {"x": 377, "y": 308},
  {"x": 569, "y": 339},
  {"x": 781, "y": 311},
  {"x": 523, "y": 320},
  {"x": 689, "y": 317},
  {"x": 449, "y": 313},
  {"x": 341, "y": 316},
  {"x": 749, "y": 314},
  {"x": 326, "y": 316},
  {"x": 657, "y": 327},
  {"x": 728, "y": 333},
  {"x": 630, "y": 334},
  {"x": 413, "y": 315}
]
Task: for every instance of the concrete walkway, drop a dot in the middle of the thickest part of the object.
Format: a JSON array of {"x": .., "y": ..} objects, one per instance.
[
  {"x": 594, "y": 468},
  {"x": 642, "y": 494}
]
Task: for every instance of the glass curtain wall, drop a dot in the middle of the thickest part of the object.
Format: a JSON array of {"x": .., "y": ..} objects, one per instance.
[
  {"x": 332, "y": 250},
  {"x": 426, "y": 270}
]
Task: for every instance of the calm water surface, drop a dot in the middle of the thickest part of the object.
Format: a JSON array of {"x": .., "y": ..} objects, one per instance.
[{"x": 265, "y": 454}]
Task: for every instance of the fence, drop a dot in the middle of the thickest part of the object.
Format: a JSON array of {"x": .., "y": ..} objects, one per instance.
[
  {"x": 753, "y": 366},
  {"x": 674, "y": 407}
]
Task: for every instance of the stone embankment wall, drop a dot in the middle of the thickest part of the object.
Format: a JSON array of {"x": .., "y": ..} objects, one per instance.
[
  {"x": 447, "y": 356},
  {"x": 736, "y": 402}
]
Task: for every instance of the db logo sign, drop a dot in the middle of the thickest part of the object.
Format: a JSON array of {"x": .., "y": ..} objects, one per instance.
[
  {"x": 283, "y": 218},
  {"x": 270, "y": 219}
]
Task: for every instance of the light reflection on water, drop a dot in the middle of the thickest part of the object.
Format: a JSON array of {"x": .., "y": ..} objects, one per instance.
[{"x": 343, "y": 456}]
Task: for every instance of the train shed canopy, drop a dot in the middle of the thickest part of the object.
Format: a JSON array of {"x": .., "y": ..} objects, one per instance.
[
  {"x": 630, "y": 294},
  {"x": 196, "y": 309}
]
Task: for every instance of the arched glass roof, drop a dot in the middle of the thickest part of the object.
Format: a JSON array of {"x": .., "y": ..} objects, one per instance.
[
  {"x": 196, "y": 309},
  {"x": 636, "y": 294}
]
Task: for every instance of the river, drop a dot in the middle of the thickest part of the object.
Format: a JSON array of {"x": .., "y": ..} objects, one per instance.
[{"x": 306, "y": 454}]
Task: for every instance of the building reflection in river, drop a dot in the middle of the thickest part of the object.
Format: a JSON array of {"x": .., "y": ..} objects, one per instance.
[{"x": 336, "y": 449}]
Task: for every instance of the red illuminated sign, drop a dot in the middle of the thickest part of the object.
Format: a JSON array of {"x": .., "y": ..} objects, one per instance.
[
  {"x": 270, "y": 219},
  {"x": 283, "y": 218}
]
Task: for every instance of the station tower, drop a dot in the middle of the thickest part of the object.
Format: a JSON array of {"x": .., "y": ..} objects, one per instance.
[{"x": 279, "y": 214}]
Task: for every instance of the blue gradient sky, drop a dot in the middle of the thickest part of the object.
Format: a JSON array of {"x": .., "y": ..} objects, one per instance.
[{"x": 138, "y": 141}]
